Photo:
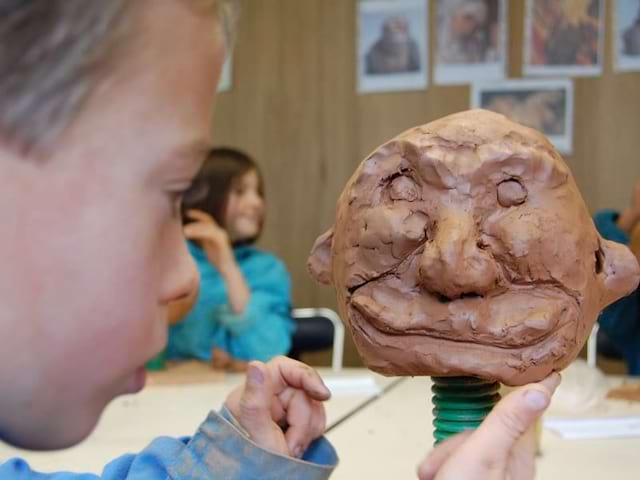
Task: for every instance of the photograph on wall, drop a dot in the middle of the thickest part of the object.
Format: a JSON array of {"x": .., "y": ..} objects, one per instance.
[
  {"x": 546, "y": 105},
  {"x": 392, "y": 45},
  {"x": 627, "y": 35},
  {"x": 564, "y": 37},
  {"x": 226, "y": 77},
  {"x": 471, "y": 41}
]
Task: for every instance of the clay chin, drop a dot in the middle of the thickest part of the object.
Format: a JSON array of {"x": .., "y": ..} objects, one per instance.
[{"x": 463, "y": 247}]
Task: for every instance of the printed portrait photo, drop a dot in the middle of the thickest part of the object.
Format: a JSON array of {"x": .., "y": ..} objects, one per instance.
[
  {"x": 392, "y": 53},
  {"x": 564, "y": 37},
  {"x": 471, "y": 40},
  {"x": 546, "y": 105}
]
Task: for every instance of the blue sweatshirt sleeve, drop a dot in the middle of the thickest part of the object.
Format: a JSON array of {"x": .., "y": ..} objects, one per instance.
[
  {"x": 218, "y": 450},
  {"x": 606, "y": 223},
  {"x": 265, "y": 328}
]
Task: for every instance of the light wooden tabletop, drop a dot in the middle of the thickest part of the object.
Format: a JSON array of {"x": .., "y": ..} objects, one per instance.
[{"x": 393, "y": 434}]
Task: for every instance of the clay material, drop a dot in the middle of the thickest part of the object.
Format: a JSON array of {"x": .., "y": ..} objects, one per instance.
[
  {"x": 628, "y": 392},
  {"x": 463, "y": 247}
]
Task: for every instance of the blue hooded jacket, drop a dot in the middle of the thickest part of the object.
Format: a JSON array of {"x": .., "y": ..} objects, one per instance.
[{"x": 261, "y": 332}]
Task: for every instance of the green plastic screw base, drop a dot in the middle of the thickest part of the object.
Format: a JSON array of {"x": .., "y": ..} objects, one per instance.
[{"x": 461, "y": 403}]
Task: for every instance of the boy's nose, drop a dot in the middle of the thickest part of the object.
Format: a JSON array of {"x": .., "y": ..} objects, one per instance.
[{"x": 183, "y": 277}]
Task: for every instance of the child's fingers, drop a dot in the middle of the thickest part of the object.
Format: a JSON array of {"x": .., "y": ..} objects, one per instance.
[
  {"x": 254, "y": 410},
  {"x": 440, "y": 454},
  {"x": 522, "y": 460},
  {"x": 194, "y": 214},
  {"x": 508, "y": 421},
  {"x": 306, "y": 420},
  {"x": 551, "y": 382},
  {"x": 200, "y": 216},
  {"x": 291, "y": 373},
  {"x": 299, "y": 421},
  {"x": 198, "y": 231},
  {"x": 193, "y": 230}
]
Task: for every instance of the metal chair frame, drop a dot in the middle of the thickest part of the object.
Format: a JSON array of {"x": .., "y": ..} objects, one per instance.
[{"x": 338, "y": 331}]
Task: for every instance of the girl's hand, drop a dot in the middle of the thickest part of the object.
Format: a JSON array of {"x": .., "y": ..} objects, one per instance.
[{"x": 214, "y": 239}]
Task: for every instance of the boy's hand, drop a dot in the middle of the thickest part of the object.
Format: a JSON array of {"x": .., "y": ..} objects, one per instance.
[
  {"x": 214, "y": 239},
  {"x": 502, "y": 447},
  {"x": 280, "y": 405}
]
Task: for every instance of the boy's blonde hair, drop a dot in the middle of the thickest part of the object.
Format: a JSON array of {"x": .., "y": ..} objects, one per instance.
[{"x": 52, "y": 54}]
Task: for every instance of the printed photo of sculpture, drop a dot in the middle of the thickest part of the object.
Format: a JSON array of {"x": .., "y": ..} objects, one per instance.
[
  {"x": 471, "y": 40},
  {"x": 468, "y": 31},
  {"x": 564, "y": 37},
  {"x": 396, "y": 51},
  {"x": 627, "y": 34},
  {"x": 546, "y": 106},
  {"x": 392, "y": 45}
]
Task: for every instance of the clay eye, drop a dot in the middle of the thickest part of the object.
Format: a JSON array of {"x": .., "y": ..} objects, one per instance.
[
  {"x": 403, "y": 188},
  {"x": 511, "y": 193}
]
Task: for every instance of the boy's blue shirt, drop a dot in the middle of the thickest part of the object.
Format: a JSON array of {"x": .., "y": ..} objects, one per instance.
[
  {"x": 261, "y": 332},
  {"x": 220, "y": 449}
]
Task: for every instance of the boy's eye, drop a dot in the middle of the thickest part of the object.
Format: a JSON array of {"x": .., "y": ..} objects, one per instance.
[
  {"x": 175, "y": 200},
  {"x": 176, "y": 203}
]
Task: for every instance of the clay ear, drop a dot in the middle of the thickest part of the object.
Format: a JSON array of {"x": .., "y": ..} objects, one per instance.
[
  {"x": 620, "y": 269},
  {"x": 319, "y": 262}
]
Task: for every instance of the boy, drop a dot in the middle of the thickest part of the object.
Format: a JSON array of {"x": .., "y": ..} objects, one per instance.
[{"x": 105, "y": 108}]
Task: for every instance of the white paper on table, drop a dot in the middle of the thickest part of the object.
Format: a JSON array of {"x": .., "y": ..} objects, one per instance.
[
  {"x": 602, "y": 427},
  {"x": 349, "y": 386}
]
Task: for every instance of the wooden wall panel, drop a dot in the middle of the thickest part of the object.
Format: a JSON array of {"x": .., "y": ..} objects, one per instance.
[{"x": 294, "y": 107}]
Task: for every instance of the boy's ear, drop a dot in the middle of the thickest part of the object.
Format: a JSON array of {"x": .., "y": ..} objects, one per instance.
[{"x": 319, "y": 262}]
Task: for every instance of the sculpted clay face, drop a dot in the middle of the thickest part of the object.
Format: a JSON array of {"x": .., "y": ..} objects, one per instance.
[{"x": 463, "y": 247}]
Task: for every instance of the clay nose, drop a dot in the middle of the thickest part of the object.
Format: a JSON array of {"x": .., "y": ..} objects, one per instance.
[{"x": 453, "y": 265}]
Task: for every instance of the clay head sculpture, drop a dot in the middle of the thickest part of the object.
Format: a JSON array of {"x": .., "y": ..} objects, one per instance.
[{"x": 464, "y": 247}]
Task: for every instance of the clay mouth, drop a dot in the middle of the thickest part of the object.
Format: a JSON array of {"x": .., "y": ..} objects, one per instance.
[
  {"x": 539, "y": 312},
  {"x": 444, "y": 299}
]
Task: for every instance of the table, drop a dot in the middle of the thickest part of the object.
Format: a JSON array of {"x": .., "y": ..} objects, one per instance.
[
  {"x": 392, "y": 435},
  {"x": 379, "y": 433}
]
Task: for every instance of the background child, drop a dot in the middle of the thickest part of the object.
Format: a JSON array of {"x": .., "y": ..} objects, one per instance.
[
  {"x": 620, "y": 322},
  {"x": 244, "y": 300}
]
